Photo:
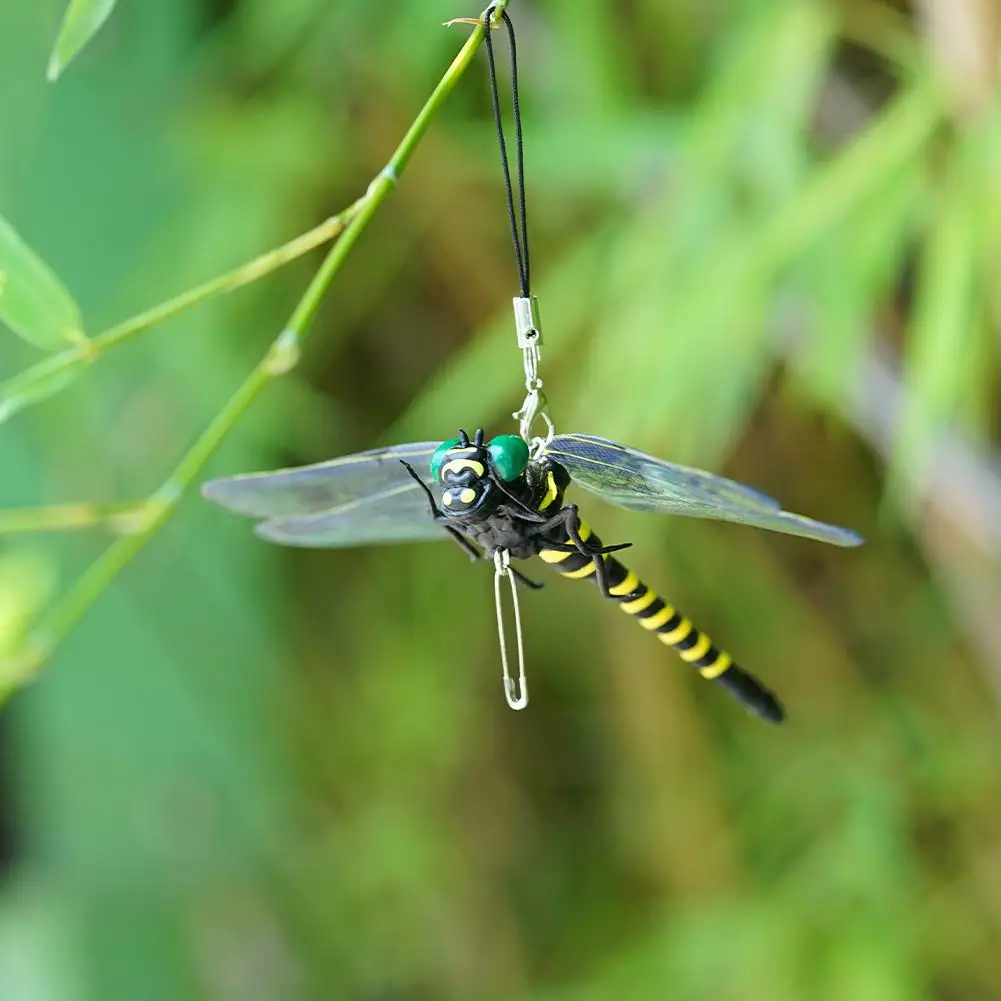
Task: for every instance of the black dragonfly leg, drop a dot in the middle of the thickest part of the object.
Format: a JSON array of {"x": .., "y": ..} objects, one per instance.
[
  {"x": 601, "y": 576},
  {"x": 533, "y": 585},
  {"x": 464, "y": 544},
  {"x": 467, "y": 547},
  {"x": 567, "y": 519},
  {"x": 528, "y": 513}
]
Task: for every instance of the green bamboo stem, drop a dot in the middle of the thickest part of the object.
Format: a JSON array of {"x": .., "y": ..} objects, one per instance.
[{"x": 53, "y": 627}]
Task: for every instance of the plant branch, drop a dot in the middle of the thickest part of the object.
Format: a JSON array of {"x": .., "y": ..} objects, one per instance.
[
  {"x": 281, "y": 357},
  {"x": 86, "y": 352}
]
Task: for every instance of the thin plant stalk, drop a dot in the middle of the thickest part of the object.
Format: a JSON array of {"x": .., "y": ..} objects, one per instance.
[
  {"x": 88, "y": 351},
  {"x": 120, "y": 517}
]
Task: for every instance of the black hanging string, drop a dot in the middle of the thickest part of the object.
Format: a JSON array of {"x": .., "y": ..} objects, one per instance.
[{"x": 520, "y": 240}]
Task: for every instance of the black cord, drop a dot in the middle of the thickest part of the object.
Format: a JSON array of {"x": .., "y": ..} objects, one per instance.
[{"x": 520, "y": 240}]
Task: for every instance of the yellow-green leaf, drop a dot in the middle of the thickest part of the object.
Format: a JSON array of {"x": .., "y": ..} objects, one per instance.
[
  {"x": 81, "y": 22},
  {"x": 33, "y": 302}
]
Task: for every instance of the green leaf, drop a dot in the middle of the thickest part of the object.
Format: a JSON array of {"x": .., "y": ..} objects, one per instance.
[
  {"x": 81, "y": 22},
  {"x": 33, "y": 302},
  {"x": 846, "y": 279},
  {"x": 27, "y": 582},
  {"x": 35, "y": 385}
]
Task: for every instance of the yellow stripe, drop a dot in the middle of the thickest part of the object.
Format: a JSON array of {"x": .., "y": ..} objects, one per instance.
[
  {"x": 554, "y": 555},
  {"x": 702, "y": 644},
  {"x": 638, "y": 604},
  {"x": 584, "y": 530},
  {"x": 584, "y": 571},
  {"x": 677, "y": 634},
  {"x": 657, "y": 619},
  {"x": 458, "y": 465},
  {"x": 551, "y": 494},
  {"x": 714, "y": 670},
  {"x": 627, "y": 586}
]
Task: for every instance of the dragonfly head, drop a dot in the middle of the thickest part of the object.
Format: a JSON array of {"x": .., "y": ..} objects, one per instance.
[{"x": 467, "y": 470}]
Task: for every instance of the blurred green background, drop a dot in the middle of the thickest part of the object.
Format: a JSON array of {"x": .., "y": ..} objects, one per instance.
[{"x": 765, "y": 238}]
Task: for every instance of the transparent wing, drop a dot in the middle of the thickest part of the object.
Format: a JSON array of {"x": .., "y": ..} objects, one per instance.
[
  {"x": 397, "y": 515},
  {"x": 632, "y": 479},
  {"x": 355, "y": 500}
]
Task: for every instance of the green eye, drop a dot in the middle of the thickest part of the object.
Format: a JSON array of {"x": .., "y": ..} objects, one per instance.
[
  {"x": 439, "y": 455},
  {"x": 509, "y": 454}
]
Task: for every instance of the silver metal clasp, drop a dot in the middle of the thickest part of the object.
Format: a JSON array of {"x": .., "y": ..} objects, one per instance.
[
  {"x": 529, "y": 331},
  {"x": 516, "y": 692}
]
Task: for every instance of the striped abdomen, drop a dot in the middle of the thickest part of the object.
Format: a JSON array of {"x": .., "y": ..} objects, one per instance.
[{"x": 667, "y": 623}]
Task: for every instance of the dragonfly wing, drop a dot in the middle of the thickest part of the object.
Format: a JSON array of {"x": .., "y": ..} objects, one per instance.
[
  {"x": 398, "y": 515},
  {"x": 357, "y": 499},
  {"x": 635, "y": 480},
  {"x": 283, "y": 493}
]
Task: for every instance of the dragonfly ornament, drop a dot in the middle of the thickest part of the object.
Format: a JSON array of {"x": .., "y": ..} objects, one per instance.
[{"x": 502, "y": 499}]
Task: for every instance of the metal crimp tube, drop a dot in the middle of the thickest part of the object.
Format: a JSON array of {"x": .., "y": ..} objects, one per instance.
[{"x": 526, "y": 321}]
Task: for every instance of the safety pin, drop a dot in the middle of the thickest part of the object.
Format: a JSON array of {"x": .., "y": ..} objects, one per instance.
[{"x": 502, "y": 568}]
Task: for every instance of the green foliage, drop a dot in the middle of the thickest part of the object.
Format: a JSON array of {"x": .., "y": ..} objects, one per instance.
[
  {"x": 764, "y": 236},
  {"x": 81, "y": 22},
  {"x": 33, "y": 302}
]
